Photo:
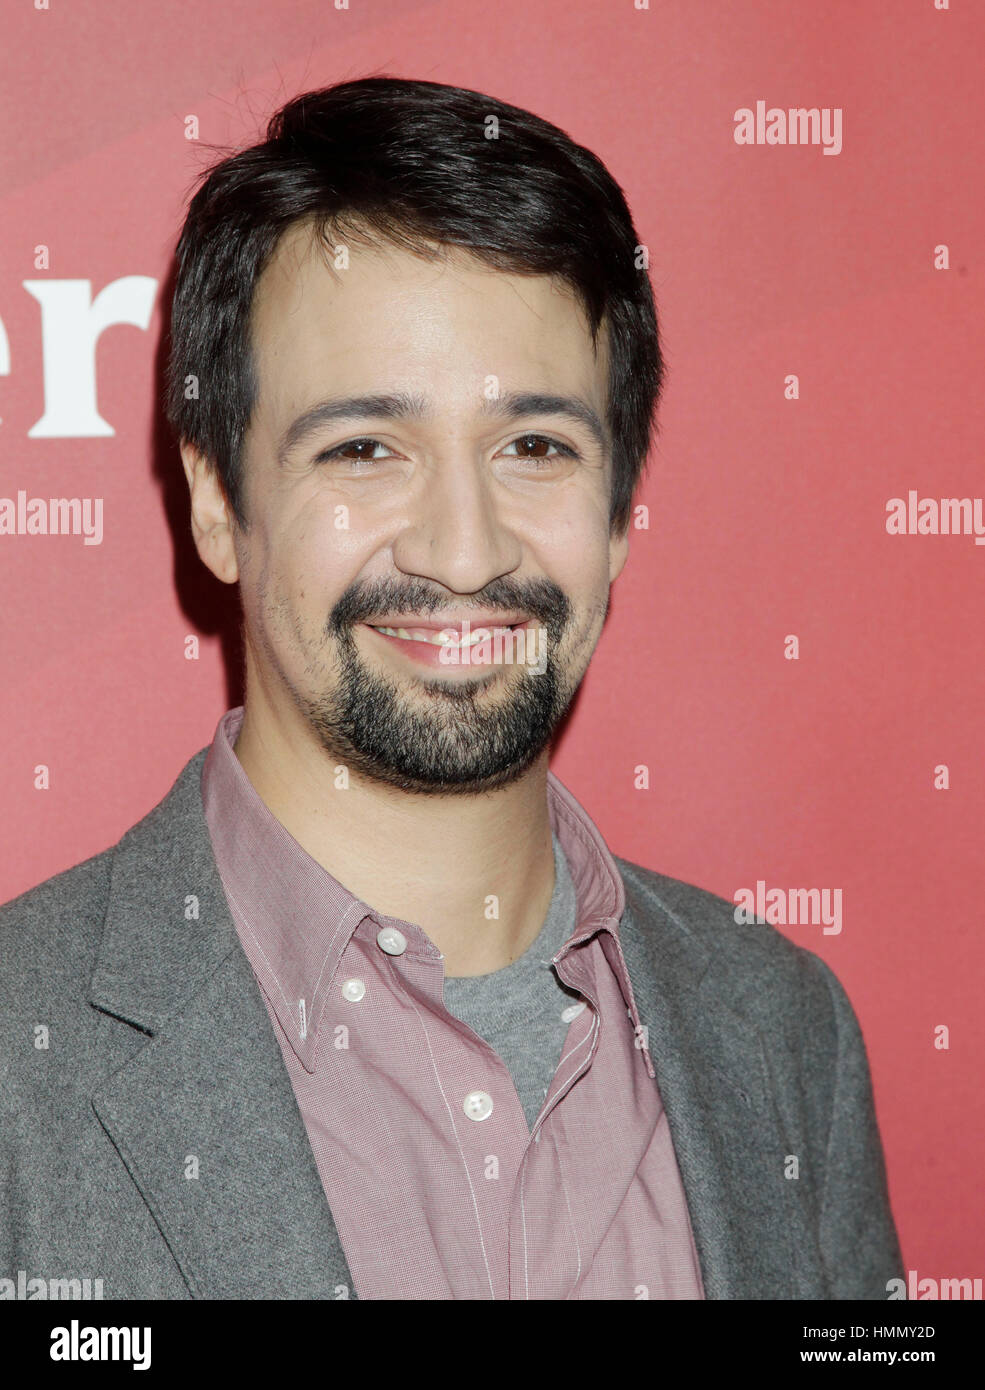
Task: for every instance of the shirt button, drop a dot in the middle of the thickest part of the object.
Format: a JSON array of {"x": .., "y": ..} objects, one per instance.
[
  {"x": 392, "y": 941},
  {"x": 572, "y": 1011},
  {"x": 354, "y": 990},
  {"x": 478, "y": 1105}
]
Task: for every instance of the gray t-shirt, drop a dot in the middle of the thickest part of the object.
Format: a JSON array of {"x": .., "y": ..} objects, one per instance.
[{"x": 517, "y": 1010}]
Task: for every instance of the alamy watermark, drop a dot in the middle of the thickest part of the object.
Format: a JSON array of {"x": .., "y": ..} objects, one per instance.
[
  {"x": 789, "y": 907},
  {"x": 794, "y": 125},
  {"x": 77, "y": 1343},
  {"x": 52, "y": 516},
  {"x": 935, "y": 516},
  {"x": 913, "y": 1287},
  {"x": 510, "y": 646},
  {"x": 25, "y": 1286}
]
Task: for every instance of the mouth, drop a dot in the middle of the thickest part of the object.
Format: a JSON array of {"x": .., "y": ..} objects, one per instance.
[
  {"x": 452, "y": 636},
  {"x": 433, "y": 645}
]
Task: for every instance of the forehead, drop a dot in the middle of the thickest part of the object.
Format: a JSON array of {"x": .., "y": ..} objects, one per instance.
[{"x": 388, "y": 317}]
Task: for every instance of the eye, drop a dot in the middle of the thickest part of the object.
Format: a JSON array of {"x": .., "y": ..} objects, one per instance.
[
  {"x": 340, "y": 451},
  {"x": 563, "y": 450},
  {"x": 354, "y": 451}
]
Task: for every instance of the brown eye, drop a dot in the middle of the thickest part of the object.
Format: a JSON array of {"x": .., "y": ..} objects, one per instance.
[
  {"x": 357, "y": 448},
  {"x": 541, "y": 443},
  {"x": 359, "y": 456},
  {"x": 537, "y": 442}
]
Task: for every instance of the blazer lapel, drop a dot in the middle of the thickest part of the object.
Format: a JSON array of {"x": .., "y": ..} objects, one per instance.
[
  {"x": 753, "y": 1227},
  {"x": 204, "y": 1114}
]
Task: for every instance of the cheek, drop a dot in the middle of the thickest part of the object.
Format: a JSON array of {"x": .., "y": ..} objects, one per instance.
[
  {"x": 271, "y": 581},
  {"x": 581, "y": 567},
  {"x": 588, "y": 570},
  {"x": 308, "y": 566},
  {"x": 334, "y": 534}
]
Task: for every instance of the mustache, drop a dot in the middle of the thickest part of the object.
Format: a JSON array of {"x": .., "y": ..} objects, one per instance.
[{"x": 541, "y": 598}]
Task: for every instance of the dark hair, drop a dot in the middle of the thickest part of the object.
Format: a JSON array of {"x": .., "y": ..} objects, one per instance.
[{"x": 413, "y": 164}]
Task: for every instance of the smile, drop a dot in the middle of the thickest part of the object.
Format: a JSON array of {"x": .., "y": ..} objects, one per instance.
[{"x": 444, "y": 638}]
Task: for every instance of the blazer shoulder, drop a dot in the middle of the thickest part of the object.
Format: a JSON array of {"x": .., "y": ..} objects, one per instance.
[
  {"x": 51, "y": 930},
  {"x": 49, "y": 938},
  {"x": 770, "y": 975},
  {"x": 705, "y": 917},
  {"x": 52, "y": 918}
]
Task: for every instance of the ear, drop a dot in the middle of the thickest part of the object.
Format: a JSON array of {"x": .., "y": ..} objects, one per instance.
[
  {"x": 211, "y": 515},
  {"x": 618, "y": 553}
]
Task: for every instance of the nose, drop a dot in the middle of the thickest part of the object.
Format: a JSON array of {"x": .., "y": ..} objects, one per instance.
[{"x": 457, "y": 533}]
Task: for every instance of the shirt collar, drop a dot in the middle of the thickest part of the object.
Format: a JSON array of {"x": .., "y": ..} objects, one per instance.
[{"x": 296, "y": 919}]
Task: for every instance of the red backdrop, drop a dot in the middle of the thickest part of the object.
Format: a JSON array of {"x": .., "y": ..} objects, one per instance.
[{"x": 854, "y": 272}]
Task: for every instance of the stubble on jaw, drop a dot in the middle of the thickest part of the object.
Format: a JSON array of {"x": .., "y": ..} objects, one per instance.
[
  {"x": 429, "y": 736},
  {"x": 421, "y": 735}
]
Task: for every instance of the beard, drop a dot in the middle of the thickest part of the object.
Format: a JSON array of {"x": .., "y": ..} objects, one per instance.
[{"x": 442, "y": 737}]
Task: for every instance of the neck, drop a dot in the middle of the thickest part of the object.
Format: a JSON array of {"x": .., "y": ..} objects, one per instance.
[{"x": 474, "y": 872}]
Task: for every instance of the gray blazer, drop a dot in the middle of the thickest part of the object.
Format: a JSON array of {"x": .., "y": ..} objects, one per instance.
[{"x": 159, "y": 1048}]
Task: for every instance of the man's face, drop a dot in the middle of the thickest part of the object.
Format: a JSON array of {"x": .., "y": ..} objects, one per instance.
[{"x": 453, "y": 510}]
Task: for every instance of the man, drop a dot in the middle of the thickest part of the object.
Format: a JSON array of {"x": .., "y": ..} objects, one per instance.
[{"x": 366, "y": 1008}]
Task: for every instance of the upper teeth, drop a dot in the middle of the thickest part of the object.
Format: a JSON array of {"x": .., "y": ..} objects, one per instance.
[{"x": 442, "y": 638}]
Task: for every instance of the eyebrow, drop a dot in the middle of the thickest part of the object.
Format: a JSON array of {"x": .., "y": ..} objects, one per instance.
[{"x": 402, "y": 405}]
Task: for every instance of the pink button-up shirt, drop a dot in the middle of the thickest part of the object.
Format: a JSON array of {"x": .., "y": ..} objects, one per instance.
[{"x": 437, "y": 1186}]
